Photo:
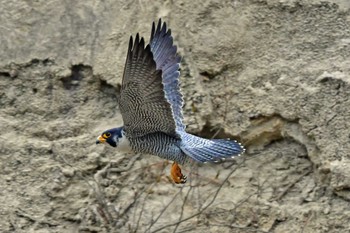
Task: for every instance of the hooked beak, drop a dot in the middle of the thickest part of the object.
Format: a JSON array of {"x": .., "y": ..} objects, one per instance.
[{"x": 100, "y": 139}]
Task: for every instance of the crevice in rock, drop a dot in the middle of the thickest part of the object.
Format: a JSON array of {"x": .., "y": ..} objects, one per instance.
[
  {"x": 5, "y": 74},
  {"x": 108, "y": 88},
  {"x": 37, "y": 62},
  {"x": 13, "y": 69},
  {"x": 211, "y": 74},
  {"x": 265, "y": 130},
  {"x": 335, "y": 83},
  {"x": 210, "y": 131},
  {"x": 78, "y": 73}
]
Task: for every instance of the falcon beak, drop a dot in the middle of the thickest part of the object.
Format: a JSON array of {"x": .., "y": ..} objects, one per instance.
[{"x": 100, "y": 139}]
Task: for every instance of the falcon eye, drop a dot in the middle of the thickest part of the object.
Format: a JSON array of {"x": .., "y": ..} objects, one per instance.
[{"x": 106, "y": 135}]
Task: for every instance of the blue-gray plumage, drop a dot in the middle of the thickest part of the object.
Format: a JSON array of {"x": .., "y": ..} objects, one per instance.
[{"x": 151, "y": 106}]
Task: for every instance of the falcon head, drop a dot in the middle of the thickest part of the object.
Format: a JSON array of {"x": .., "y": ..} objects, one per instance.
[{"x": 112, "y": 136}]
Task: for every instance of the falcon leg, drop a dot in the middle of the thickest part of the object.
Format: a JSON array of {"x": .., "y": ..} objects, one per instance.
[{"x": 176, "y": 174}]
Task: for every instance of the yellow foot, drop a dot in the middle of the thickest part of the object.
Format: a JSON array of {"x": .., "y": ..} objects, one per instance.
[{"x": 176, "y": 175}]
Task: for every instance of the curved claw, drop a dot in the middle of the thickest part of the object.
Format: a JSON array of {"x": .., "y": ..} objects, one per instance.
[{"x": 176, "y": 174}]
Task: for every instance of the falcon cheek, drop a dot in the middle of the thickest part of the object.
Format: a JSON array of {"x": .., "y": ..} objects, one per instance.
[{"x": 112, "y": 143}]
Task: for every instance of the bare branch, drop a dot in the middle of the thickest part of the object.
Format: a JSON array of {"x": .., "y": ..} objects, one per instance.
[{"x": 206, "y": 206}]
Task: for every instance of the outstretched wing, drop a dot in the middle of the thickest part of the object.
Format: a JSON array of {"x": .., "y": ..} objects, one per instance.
[
  {"x": 142, "y": 103},
  {"x": 168, "y": 61}
]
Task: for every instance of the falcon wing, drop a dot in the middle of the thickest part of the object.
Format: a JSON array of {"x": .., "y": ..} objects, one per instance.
[
  {"x": 168, "y": 61},
  {"x": 143, "y": 105}
]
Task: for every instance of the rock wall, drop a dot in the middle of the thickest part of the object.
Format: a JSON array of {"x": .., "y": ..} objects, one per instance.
[{"x": 273, "y": 74}]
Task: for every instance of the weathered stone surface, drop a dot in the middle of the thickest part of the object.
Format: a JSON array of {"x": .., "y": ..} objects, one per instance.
[{"x": 272, "y": 74}]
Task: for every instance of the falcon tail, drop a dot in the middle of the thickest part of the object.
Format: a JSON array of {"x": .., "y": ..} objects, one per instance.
[{"x": 209, "y": 150}]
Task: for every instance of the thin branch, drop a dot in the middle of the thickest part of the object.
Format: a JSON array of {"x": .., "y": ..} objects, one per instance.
[
  {"x": 183, "y": 208},
  {"x": 164, "y": 209},
  {"x": 284, "y": 192},
  {"x": 206, "y": 206},
  {"x": 127, "y": 167},
  {"x": 20, "y": 213},
  {"x": 143, "y": 207}
]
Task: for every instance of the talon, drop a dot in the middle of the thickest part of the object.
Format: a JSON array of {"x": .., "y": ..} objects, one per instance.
[{"x": 176, "y": 174}]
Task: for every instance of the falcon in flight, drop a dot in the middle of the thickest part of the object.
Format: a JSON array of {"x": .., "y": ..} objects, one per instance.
[{"x": 151, "y": 103}]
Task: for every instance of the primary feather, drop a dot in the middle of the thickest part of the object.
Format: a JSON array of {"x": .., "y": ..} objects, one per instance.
[{"x": 168, "y": 61}]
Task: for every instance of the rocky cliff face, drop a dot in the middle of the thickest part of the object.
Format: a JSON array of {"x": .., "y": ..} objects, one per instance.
[{"x": 273, "y": 74}]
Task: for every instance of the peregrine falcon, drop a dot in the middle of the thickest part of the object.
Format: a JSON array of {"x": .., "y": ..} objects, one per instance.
[{"x": 151, "y": 104}]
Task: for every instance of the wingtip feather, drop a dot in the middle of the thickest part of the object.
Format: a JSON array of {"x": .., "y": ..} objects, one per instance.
[
  {"x": 159, "y": 24},
  {"x": 153, "y": 31},
  {"x": 130, "y": 43}
]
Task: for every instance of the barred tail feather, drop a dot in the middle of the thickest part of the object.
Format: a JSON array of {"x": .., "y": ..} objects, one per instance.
[{"x": 209, "y": 150}]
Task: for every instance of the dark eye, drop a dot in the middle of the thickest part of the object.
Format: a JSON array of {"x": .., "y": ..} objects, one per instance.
[{"x": 106, "y": 135}]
